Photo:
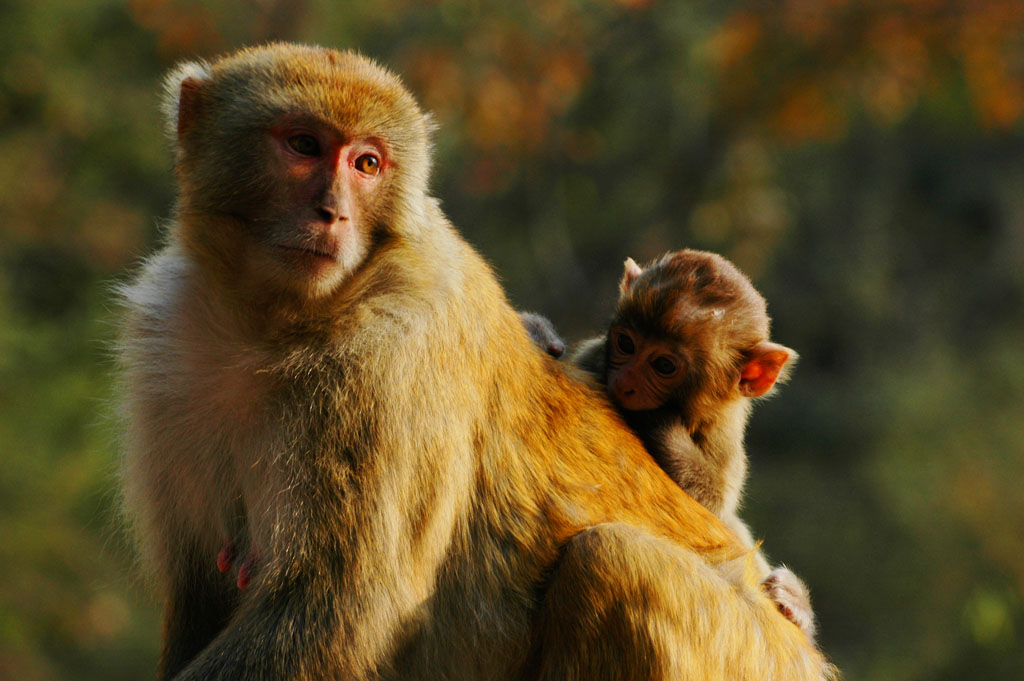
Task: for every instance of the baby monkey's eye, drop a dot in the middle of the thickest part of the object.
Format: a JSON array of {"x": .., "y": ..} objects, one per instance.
[
  {"x": 625, "y": 344},
  {"x": 368, "y": 164},
  {"x": 306, "y": 145},
  {"x": 664, "y": 366}
]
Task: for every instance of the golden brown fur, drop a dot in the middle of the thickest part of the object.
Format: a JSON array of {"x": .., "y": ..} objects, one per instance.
[{"x": 428, "y": 494}]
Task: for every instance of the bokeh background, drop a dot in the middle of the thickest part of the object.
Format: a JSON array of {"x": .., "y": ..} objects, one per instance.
[{"x": 862, "y": 160}]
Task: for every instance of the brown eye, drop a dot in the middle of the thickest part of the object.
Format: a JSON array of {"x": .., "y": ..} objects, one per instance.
[
  {"x": 368, "y": 164},
  {"x": 305, "y": 145},
  {"x": 664, "y": 366},
  {"x": 625, "y": 344}
]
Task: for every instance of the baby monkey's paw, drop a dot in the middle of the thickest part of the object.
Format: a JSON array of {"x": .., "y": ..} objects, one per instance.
[{"x": 792, "y": 598}]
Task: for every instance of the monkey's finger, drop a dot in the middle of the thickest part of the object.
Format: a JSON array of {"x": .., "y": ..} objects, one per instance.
[{"x": 556, "y": 350}]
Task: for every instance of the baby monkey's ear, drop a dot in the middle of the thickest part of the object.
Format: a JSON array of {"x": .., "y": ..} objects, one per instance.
[
  {"x": 629, "y": 274},
  {"x": 766, "y": 364}
]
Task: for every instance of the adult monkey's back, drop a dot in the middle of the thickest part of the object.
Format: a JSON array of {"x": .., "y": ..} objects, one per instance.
[{"x": 319, "y": 370}]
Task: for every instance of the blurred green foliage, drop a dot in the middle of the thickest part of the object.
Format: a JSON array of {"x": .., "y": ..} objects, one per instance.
[{"x": 863, "y": 161}]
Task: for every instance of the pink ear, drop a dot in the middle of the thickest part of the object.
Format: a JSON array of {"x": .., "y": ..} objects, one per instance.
[
  {"x": 767, "y": 362},
  {"x": 189, "y": 102},
  {"x": 630, "y": 273}
]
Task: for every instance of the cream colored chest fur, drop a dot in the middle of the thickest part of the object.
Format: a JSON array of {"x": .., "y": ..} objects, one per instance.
[{"x": 200, "y": 417}]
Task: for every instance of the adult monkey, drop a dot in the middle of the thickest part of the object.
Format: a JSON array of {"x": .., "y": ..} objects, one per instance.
[{"x": 320, "y": 370}]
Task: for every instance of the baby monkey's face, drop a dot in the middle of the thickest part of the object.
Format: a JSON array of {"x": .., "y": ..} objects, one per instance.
[{"x": 643, "y": 372}]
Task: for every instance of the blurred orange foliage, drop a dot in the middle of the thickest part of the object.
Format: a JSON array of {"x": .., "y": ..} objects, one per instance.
[
  {"x": 803, "y": 69},
  {"x": 181, "y": 29},
  {"x": 505, "y": 86}
]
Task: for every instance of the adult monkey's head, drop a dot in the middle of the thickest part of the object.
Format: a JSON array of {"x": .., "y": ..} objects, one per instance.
[{"x": 294, "y": 163}]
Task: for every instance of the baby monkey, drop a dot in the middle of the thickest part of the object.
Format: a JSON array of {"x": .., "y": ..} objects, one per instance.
[{"x": 685, "y": 352}]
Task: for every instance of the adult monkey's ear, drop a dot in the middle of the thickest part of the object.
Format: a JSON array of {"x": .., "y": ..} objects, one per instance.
[
  {"x": 766, "y": 364},
  {"x": 183, "y": 98}
]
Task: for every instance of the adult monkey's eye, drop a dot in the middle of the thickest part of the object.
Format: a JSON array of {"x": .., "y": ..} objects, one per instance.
[
  {"x": 368, "y": 164},
  {"x": 306, "y": 145},
  {"x": 664, "y": 366},
  {"x": 625, "y": 343}
]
